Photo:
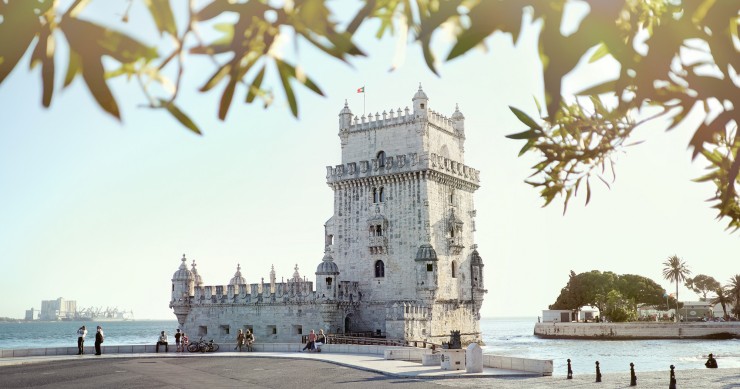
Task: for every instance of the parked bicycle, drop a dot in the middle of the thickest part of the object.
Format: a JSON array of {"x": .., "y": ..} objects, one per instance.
[{"x": 203, "y": 346}]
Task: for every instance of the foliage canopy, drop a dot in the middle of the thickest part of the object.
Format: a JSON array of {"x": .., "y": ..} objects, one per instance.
[{"x": 674, "y": 56}]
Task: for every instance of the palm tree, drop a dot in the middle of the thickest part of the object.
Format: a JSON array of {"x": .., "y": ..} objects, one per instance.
[
  {"x": 723, "y": 299},
  {"x": 733, "y": 289},
  {"x": 675, "y": 270}
]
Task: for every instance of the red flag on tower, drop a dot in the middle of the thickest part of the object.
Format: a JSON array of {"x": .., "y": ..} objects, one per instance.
[{"x": 361, "y": 90}]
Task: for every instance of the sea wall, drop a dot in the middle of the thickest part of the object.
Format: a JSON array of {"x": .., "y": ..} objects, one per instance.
[{"x": 638, "y": 330}]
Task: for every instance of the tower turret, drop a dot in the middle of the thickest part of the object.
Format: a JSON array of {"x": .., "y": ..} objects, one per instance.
[
  {"x": 458, "y": 121},
  {"x": 326, "y": 277},
  {"x": 182, "y": 289},
  {"x": 421, "y": 103},
  {"x": 238, "y": 279},
  {"x": 345, "y": 117}
]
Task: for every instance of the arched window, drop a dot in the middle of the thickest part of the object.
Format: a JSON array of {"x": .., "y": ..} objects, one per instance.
[
  {"x": 375, "y": 195},
  {"x": 381, "y": 196},
  {"x": 378, "y": 230},
  {"x": 454, "y": 269},
  {"x": 379, "y": 269},
  {"x": 381, "y": 158}
]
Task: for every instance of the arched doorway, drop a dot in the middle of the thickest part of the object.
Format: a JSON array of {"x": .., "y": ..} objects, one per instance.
[{"x": 347, "y": 325}]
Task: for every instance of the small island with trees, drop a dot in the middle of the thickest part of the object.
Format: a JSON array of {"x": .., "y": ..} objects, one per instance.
[{"x": 606, "y": 305}]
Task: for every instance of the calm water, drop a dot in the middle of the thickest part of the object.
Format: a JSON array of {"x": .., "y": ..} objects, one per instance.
[{"x": 503, "y": 336}]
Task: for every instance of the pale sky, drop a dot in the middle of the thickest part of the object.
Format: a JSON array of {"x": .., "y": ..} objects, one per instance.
[{"x": 100, "y": 212}]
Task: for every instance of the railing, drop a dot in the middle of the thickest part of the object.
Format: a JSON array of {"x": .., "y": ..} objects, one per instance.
[{"x": 371, "y": 338}]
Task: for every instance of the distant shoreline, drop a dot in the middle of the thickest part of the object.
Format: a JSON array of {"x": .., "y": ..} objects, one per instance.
[{"x": 638, "y": 331}]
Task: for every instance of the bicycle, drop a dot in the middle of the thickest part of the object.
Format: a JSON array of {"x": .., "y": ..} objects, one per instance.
[{"x": 203, "y": 346}]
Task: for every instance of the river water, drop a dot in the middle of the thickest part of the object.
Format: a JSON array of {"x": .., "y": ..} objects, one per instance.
[{"x": 502, "y": 336}]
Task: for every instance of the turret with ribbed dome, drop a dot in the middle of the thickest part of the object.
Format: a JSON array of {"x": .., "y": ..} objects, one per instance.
[
  {"x": 196, "y": 276},
  {"x": 182, "y": 288},
  {"x": 421, "y": 103},
  {"x": 345, "y": 117},
  {"x": 238, "y": 279},
  {"x": 326, "y": 276}
]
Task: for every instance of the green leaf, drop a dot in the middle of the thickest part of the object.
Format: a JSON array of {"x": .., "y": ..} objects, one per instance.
[
  {"x": 44, "y": 54},
  {"x": 605, "y": 87},
  {"x": 94, "y": 75},
  {"x": 163, "y": 16},
  {"x": 227, "y": 97},
  {"x": 73, "y": 68},
  {"x": 256, "y": 84},
  {"x": 215, "y": 8},
  {"x": 285, "y": 74},
  {"x": 529, "y": 134},
  {"x": 180, "y": 116},
  {"x": 223, "y": 71},
  {"x": 526, "y": 147},
  {"x": 709, "y": 177},
  {"x": 20, "y": 24},
  {"x": 601, "y": 52},
  {"x": 524, "y": 118}
]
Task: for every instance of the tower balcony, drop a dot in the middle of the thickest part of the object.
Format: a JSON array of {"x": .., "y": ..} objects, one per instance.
[
  {"x": 455, "y": 245},
  {"x": 378, "y": 244}
]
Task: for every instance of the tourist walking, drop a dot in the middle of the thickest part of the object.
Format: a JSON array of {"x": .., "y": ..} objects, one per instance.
[
  {"x": 163, "y": 341},
  {"x": 239, "y": 340},
  {"x": 320, "y": 340},
  {"x": 711, "y": 362},
  {"x": 81, "y": 333},
  {"x": 311, "y": 343},
  {"x": 249, "y": 339},
  {"x": 99, "y": 338},
  {"x": 178, "y": 335}
]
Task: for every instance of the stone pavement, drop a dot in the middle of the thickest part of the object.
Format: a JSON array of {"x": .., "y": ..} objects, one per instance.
[{"x": 368, "y": 362}]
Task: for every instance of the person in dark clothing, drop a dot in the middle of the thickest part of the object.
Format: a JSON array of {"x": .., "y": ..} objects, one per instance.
[
  {"x": 81, "y": 333},
  {"x": 178, "y": 334},
  {"x": 99, "y": 337},
  {"x": 163, "y": 341},
  {"x": 711, "y": 362}
]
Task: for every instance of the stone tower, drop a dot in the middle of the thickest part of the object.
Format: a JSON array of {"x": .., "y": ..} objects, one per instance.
[{"x": 403, "y": 223}]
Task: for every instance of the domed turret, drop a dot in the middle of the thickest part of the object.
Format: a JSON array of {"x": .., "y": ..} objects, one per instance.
[
  {"x": 458, "y": 121},
  {"x": 197, "y": 278},
  {"x": 426, "y": 253},
  {"x": 326, "y": 277},
  {"x": 345, "y": 117},
  {"x": 327, "y": 266},
  {"x": 457, "y": 115},
  {"x": 182, "y": 273},
  {"x": 420, "y": 101},
  {"x": 238, "y": 279}
]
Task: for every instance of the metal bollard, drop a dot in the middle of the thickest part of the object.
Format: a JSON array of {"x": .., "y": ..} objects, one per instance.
[
  {"x": 633, "y": 377},
  {"x": 672, "y": 385},
  {"x": 570, "y": 371},
  {"x": 598, "y": 372}
]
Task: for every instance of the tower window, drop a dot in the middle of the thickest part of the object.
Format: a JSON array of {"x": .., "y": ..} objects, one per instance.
[
  {"x": 381, "y": 158},
  {"x": 379, "y": 269},
  {"x": 378, "y": 195},
  {"x": 328, "y": 281},
  {"x": 454, "y": 269},
  {"x": 382, "y": 196},
  {"x": 430, "y": 267}
]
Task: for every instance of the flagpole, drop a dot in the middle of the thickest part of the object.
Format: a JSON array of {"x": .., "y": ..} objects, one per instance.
[{"x": 363, "y": 100}]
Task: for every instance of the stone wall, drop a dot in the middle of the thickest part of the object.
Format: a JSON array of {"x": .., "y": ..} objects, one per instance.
[{"x": 637, "y": 330}]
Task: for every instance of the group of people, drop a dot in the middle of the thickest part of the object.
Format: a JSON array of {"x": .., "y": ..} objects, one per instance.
[
  {"x": 181, "y": 341},
  {"x": 82, "y": 333},
  {"x": 314, "y": 341},
  {"x": 243, "y": 339}
]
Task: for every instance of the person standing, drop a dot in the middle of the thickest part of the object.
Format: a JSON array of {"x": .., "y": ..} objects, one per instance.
[
  {"x": 99, "y": 337},
  {"x": 163, "y": 340},
  {"x": 249, "y": 338},
  {"x": 81, "y": 333},
  {"x": 239, "y": 340},
  {"x": 178, "y": 334}
]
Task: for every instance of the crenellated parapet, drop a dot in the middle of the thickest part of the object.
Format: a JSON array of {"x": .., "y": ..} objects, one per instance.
[
  {"x": 377, "y": 121},
  {"x": 284, "y": 292},
  {"x": 405, "y": 163}
]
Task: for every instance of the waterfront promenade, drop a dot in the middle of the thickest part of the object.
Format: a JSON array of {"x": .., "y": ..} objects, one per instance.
[{"x": 293, "y": 369}]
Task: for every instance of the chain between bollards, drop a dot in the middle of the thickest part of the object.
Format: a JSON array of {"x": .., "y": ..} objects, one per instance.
[
  {"x": 672, "y": 385},
  {"x": 570, "y": 371},
  {"x": 598, "y": 372},
  {"x": 633, "y": 377}
]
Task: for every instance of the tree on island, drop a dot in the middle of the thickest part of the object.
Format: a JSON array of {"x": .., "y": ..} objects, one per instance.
[
  {"x": 676, "y": 271},
  {"x": 722, "y": 298},
  {"x": 702, "y": 285},
  {"x": 616, "y": 296},
  {"x": 672, "y": 56},
  {"x": 733, "y": 289}
]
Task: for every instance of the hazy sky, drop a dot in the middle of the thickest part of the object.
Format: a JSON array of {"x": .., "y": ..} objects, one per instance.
[{"x": 101, "y": 212}]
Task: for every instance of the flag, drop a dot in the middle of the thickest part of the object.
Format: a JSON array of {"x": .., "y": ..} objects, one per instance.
[{"x": 361, "y": 90}]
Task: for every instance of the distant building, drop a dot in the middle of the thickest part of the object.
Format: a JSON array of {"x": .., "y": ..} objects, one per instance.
[
  {"x": 30, "y": 314},
  {"x": 59, "y": 309},
  {"x": 400, "y": 258},
  {"x": 696, "y": 311}
]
